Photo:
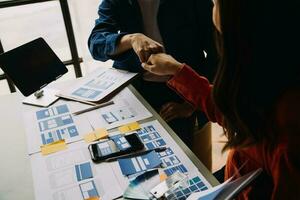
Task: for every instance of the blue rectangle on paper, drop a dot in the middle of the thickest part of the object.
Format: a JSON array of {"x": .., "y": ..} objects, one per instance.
[
  {"x": 86, "y": 93},
  {"x": 171, "y": 170},
  {"x": 161, "y": 142},
  {"x": 88, "y": 188},
  {"x": 86, "y": 171},
  {"x": 150, "y": 146},
  {"x": 62, "y": 109},
  {"x": 93, "y": 193},
  {"x": 132, "y": 165},
  {"x": 73, "y": 131},
  {"x": 83, "y": 171},
  {"x": 42, "y": 114},
  {"x": 55, "y": 123},
  {"x": 77, "y": 170},
  {"x": 46, "y": 113},
  {"x": 150, "y": 128}
]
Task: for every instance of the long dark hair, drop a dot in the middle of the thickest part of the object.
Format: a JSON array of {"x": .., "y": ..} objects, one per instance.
[{"x": 259, "y": 60}]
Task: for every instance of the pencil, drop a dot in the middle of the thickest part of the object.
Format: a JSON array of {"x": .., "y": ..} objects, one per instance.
[{"x": 93, "y": 108}]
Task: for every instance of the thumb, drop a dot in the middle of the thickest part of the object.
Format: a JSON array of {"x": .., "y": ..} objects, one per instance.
[{"x": 147, "y": 66}]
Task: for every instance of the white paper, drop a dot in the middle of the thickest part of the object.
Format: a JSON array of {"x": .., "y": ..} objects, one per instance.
[
  {"x": 226, "y": 190},
  {"x": 98, "y": 84},
  {"x": 56, "y": 122},
  {"x": 55, "y": 176},
  {"x": 49, "y": 97},
  {"x": 126, "y": 109}
]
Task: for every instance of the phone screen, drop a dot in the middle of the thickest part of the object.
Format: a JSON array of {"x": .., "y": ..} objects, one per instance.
[{"x": 114, "y": 145}]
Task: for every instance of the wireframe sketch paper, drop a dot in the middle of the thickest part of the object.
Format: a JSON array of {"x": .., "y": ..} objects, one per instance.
[
  {"x": 70, "y": 174},
  {"x": 48, "y": 125},
  {"x": 98, "y": 85},
  {"x": 126, "y": 109}
]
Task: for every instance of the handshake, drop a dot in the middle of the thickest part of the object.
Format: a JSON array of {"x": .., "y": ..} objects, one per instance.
[{"x": 151, "y": 55}]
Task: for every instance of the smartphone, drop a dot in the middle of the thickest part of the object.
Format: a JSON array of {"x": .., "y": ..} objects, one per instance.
[{"x": 114, "y": 147}]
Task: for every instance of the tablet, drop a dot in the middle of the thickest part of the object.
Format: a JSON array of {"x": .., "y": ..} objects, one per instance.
[{"x": 32, "y": 66}]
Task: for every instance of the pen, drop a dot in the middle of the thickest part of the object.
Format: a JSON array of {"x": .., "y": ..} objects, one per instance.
[
  {"x": 158, "y": 149},
  {"x": 93, "y": 108}
]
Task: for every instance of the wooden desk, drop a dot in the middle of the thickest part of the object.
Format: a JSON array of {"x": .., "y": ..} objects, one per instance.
[{"x": 15, "y": 170}]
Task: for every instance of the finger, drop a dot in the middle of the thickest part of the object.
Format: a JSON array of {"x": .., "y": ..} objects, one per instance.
[
  {"x": 147, "y": 66},
  {"x": 165, "y": 106},
  {"x": 156, "y": 48},
  {"x": 171, "y": 117},
  {"x": 167, "y": 112},
  {"x": 147, "y": 54}
]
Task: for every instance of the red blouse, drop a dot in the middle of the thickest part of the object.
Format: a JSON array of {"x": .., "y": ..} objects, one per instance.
[{"x": 281, "y": 179}]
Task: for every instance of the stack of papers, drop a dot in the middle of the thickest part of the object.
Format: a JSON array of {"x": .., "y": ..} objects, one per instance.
[{"x": 96, "y": 86}]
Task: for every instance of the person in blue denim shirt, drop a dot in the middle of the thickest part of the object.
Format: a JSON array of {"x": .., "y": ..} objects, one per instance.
[{"x": 129, "y": 31}]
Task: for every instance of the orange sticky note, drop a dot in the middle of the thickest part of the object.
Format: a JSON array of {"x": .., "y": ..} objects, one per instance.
[
  {"x": 53, "y": 147},
  {"x": 129, "y": 127},
  {"x": 162, "y": 176},
  {"x": 93, "y": 198}
]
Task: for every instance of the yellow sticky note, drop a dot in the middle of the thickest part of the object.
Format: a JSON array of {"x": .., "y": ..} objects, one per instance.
[
  {"x": 129, "y": 127},
  {"x": 53, "y": 147},
  {"x": 101, "y": 133},
  {"x": 134, "y": 126},
  {"x": 93, "y": 198},
  {"x": 98, "y": 134},
  {"x": 124, "y": 129},
  {"x": 90, "y": 137}
]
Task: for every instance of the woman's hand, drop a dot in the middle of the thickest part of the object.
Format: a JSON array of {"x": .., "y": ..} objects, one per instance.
[
  {"x": 174, "y": 110},
  {"x": 162, "y": 64},
  {"x": 144, "y": 46}
]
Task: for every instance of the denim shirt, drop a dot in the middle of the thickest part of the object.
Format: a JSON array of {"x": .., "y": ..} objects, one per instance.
[{"x": 185, "y": 26}]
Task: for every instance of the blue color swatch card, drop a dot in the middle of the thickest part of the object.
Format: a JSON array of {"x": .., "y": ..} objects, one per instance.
[
  {"x": 83, "y": 171},
  {"x": 140, "y": 163}
]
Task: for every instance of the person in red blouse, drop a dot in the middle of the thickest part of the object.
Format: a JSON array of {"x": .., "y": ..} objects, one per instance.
[{"x": 256, "y": 92}]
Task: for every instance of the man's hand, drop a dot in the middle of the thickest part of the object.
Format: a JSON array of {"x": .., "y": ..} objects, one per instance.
[
  {"x": 174, "y": 110},
  {"x": 162, "y": 64},
  {"x": 144, "y": 46}
]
